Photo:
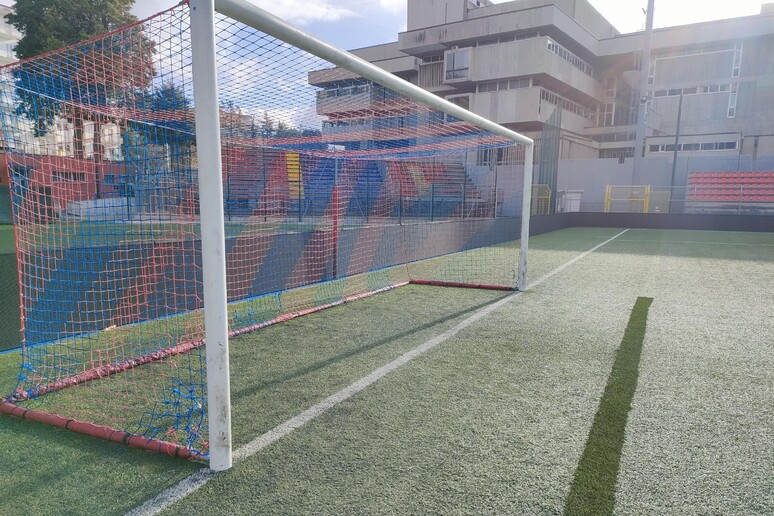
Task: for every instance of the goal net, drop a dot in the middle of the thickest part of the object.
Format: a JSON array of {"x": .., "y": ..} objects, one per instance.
[{"x": 335, "y": 186}]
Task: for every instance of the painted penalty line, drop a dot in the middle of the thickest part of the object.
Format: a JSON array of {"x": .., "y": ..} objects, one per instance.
[{"x": 193, "y": 482}]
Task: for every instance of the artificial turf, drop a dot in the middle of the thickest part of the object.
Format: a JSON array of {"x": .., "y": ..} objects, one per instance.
[
  {"x": 7, "y": 244},
  {"x": 496, "y": 419},
  {"x": 593, "y": 487}
]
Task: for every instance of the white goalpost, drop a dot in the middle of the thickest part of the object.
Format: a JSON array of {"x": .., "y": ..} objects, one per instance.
[
  {"x": 210, "y": 173},
  {"x": 255, "y": 174}
]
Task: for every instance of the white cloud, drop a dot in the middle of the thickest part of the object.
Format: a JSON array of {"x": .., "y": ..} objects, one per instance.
[
  {"x": 393, "y": 5},
  {"x": 301, "y": 12},
  {"x": 304, "y": 12},
  {"x": 145, "y": 8}
]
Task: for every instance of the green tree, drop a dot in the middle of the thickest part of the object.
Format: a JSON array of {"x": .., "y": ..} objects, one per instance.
[
  {"x": 86, "y": 76},
  {"x": 173, "y": 131},
  {"x": 49, "y": 25}
]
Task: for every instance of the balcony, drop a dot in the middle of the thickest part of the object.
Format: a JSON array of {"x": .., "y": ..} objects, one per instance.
[
  {"x": 509, "y": 106},
  {"x": 531, "y": 57},
  {"x": 341, "y": 100}
]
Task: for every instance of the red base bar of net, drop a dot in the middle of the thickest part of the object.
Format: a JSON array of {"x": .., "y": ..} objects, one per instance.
[
  {"x": 120, "y": 436},
  {"x": 99, "y": 431},
  {"x": 461, "y": 285}
]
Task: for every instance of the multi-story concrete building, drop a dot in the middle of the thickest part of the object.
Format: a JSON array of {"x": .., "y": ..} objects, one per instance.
[
  {"x": 559, "y": 67},
  {"x": 9, "y": 37}
]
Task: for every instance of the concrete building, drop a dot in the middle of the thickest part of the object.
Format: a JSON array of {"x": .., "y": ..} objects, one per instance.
[
  {"x": 9, "y": 37},
  {"x": 558, "y": 69}
]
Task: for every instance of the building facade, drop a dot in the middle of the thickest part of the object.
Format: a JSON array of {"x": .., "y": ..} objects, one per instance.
[{"x": 558, "y": 69}]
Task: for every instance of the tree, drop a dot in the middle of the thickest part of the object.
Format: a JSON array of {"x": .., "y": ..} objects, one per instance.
[
  {"x": 267, "y": 125},
  {"x": 49, "y": 25},
  {"x": 85, "y": 76},
  {"x": 171, "y": 127}
]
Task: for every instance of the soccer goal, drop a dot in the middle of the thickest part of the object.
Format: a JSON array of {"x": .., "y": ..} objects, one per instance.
[{"x": 202, "y": 174}]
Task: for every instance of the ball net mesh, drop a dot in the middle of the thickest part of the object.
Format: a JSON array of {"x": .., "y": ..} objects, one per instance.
[{"x": 334, "y": 188}]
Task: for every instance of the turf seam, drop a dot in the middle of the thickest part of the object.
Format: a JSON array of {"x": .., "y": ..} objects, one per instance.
[
  {"x": 593, "y": 486},
  {"x": 194, "y": 482}
]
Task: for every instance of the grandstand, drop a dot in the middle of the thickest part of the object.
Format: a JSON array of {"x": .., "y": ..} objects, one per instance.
[{"x": 740, "y": 192}]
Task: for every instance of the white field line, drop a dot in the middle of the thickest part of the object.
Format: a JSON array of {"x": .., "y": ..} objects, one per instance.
[
  {"x": 193, "y": 482},
  {"x": 736, "y": 244}
]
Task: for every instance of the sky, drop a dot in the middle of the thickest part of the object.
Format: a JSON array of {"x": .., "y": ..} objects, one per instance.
[{"x": 358, "y": 23}]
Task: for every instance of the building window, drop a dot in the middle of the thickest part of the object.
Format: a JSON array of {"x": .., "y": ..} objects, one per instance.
[
  {"x": 458, "y": 64},
  {"x": 569, "y": 105},
  {"x": 693, "y": 90},
  {"x": 619, "y": 154},
  {"x": 59, "y": 176},
  {"x": 512, "y": 155},
  {"x": 732, "y": 101},
  {"x": 571, "y": 58},
  {"x": 695, "y": 51},
  {"x": 614, "y": 137},
  {"x": 462, "y": 101},
  {"x": 505, "y": 84},
  {"x": 737, "y": 60},
  {"x": 606, "y": 114},
  {"x": 651, "y": 71},
  {"x": 486, "y": 87},
  {"x": 610, "y": 87},
  {"x": 713, "y": 146},
  {"x": 526, "y": 35}
]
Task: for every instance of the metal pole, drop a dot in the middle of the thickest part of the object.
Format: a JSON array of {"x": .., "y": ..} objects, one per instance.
[
  {"x": 400, "y": 202},
  {"x": 677, "y": 141},
  {"x": 494, "y": 203},
  {"x": 213, "y": 232},
  {"x": 639, "y": 142},
  {"x": 299, "y": 185},
  {"x": 367, "y": 199},
  {"x": 336, "y": 215},
  {"x": 432, "y": 201},
  {"x": 464, "y": 192}
]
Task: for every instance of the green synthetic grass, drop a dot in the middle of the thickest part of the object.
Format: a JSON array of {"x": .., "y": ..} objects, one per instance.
[
  {"x": 493, "y": 421},
  {"x": 593, "y": 487},
  {"x": 56, "y": 471},
  {"x": 7, "y": 244}
]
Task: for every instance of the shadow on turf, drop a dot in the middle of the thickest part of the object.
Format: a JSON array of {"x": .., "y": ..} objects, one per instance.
[{"x": 255, "y": 389}]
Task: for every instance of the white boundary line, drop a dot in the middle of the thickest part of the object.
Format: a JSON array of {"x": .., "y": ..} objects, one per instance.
[{"x": 190, "y": 484}]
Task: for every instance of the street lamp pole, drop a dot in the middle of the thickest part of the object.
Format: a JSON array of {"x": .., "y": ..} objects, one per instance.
[{"x": 639, "y": 142}]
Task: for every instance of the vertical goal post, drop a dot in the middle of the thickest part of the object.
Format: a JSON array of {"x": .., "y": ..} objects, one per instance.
[
  {"x": 207, "y": 119},
  {"x": 213, "y": 170},
  {"x": 205, "y": 78}
]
